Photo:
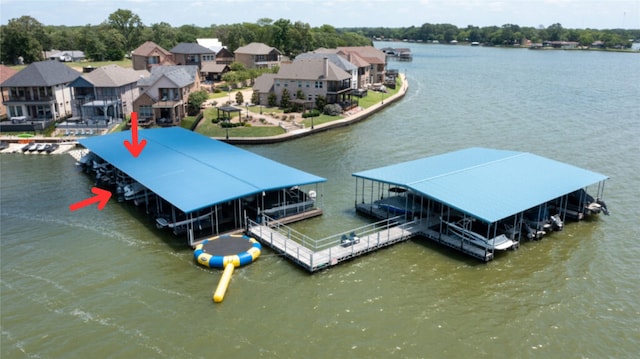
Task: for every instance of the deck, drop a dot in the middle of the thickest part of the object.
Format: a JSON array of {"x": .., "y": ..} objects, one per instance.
[{"x": 315, "y": 255}]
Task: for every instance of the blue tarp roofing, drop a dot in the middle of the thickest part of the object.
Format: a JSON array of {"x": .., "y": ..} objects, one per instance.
[
  {"x": 486, "y": 183},
  {"x": 192, "y": 171}
]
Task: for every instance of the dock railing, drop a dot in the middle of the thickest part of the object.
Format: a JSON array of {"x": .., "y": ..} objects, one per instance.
[{"x": 316, "y": 254}]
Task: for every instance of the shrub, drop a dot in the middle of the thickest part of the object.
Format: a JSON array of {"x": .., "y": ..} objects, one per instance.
[
  {"x": 312, "y": 113},
  {"x": 333, "y": 109}
]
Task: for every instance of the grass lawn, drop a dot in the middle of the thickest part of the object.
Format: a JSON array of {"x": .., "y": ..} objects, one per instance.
[
  {"x": 209, "y": 129},
  {"x": 320, "y": 120}
]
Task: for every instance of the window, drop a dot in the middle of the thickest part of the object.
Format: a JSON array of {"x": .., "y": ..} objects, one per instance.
[
  {"x": 318, "y": 84},
  {"x": 145, "y": 111}
]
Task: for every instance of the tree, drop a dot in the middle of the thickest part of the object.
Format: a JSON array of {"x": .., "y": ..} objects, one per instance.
[
  {"x": 239, "y": 98},
  {"x": 91, "y": 43},
  {"x": 284, "y": 99},
  {"x": 196, "y": 99},
  {"x": 21, "y": 38},
  {"x": 272, "y": 99},
  {"x": 281, "y": 35},
  {"x": 321, "y": 101},
  {"x": 114, "y": 44},
  {"x": 128, "y": 25},
  {"x": 255, "y": 97},
  {"x": 162, "y": 34},
  {"x": 556, "y": 33}
]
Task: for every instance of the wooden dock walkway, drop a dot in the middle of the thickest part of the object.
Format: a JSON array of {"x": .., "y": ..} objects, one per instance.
[
  {"x": 314, "y": 255},
  {"x": 332, "y": 251}
]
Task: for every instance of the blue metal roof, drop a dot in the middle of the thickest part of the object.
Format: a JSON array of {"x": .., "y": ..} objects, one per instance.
[
  {"x": 486, "y": 183},
  {"x": 192, "y": 171}
]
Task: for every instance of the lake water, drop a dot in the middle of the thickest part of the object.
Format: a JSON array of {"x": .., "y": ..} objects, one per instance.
[{"x": 108, "y": 284}]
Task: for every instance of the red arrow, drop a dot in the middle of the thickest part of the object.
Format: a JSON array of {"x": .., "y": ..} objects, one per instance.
[
  {"x": 134, "y": 147},
  {"x": 101, "y": 196}
]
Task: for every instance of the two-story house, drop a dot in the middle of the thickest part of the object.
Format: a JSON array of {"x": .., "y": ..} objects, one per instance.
[
  {"x": 258, "y": 55},
  {"x": 371, "y": 64},
  {"x": 40, "y": 93},
  {"x": 223, "y": 55},
  {"x": 314, "y": 77},
  {"x": 186, "y": 53},
  {"x": 150, "y": 54},
  {"x": 105, "y": 93},
  {"x": 164, "y": 95},
  {"x": 336, "y": 59}
]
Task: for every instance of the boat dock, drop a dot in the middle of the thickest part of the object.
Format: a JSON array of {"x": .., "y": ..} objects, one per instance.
[{"x": 314, "y": 255}]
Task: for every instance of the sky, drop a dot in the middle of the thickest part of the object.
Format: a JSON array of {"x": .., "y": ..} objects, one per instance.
[{"x": 573, "y": 14}]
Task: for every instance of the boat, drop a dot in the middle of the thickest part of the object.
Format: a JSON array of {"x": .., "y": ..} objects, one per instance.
[
  {"x": 181, "y": 225},
  {"x": 52, "y": 147},
  {"x": 582, "y": 202},
  {"x": 41, "y": 147},
  {"x": 462, "y": 230},
  {"x": 133, "y": 191},
  {"x": 33, "y": 147},
  {"x": 26, "y": 147}
]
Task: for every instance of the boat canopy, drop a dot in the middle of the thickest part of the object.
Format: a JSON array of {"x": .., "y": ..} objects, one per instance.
[
  {"x": 488, "y": 184},
  {"x": 192, "y": 171}
]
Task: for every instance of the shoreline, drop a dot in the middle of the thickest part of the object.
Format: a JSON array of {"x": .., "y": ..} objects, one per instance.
[
  {"x": 291, "y": 135},
  {"x": 347, "y": 121}
]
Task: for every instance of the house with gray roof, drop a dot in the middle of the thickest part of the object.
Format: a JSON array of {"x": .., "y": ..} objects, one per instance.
[
  {"x": 313, "y": 77},
  {"x": 164, "y": 95},
  {"x": 336, "y": 59},
  {"x": 223, "y": 55},
  {"x": 258, "y": 55},
  {"x": 106, "y": 93},
  {"x": 40, "y": 93},
  {"x": 186, "y": 53}
]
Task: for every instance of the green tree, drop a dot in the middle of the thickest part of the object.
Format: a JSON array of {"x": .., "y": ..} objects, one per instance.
[
  {"x": 255, "y": 98},
  {"x": 272, "y": 99},
  {"x": 555, "y": 32},
  {"x": 239, "y": 98},
  {"x": 281, "y": 35},
  {"x": 91, "y": 43},
  {"x": 21, "y": 38},
  {"x": 128, "y": 25},
  {"x": 284, "y": 99},
  {"x": 162, "y": 34},
  {"x": 321, "y": 101},
  {"x": 115, "y": 44},
  {"x": 196, "y": 99}
]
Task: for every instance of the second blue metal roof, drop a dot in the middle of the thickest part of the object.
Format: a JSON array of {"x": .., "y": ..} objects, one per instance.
[
  {"x": 486, "y": 183},
  {"x": 192, "y": 171}
]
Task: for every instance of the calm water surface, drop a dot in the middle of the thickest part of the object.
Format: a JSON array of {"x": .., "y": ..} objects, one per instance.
[{"x": 108, "y": 284}]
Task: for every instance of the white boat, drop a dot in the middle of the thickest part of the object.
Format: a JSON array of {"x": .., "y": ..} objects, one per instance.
[
  {"x": 133, "y": 191},
  {"x": 462, "y": 230},
  {"x": 162, "y": 222}
]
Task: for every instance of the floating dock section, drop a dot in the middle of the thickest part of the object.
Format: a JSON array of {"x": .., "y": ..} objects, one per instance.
[{"x": 314, "y": 255}]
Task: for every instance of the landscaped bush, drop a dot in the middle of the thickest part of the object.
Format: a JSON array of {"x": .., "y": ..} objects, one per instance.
[
  {"x": 312, "y": 113},
  {"x": 333, "y": 110}
]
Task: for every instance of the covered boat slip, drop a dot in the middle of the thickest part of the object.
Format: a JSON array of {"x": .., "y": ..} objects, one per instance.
[
  {"x": 201, "y": 186},
  {"x": 494, "y": 193}
]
